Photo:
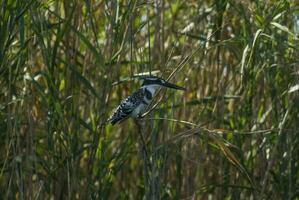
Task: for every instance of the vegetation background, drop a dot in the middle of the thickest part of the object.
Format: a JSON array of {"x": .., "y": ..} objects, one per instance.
[{"x": 64, "y": 66}]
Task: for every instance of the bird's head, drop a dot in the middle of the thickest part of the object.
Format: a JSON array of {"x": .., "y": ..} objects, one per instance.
[{"x": 156, "y": 82}]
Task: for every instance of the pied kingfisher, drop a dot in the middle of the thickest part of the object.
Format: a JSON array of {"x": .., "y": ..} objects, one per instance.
[{"x": 135, "y": 105}]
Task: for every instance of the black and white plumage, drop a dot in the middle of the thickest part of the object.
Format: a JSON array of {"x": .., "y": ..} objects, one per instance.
[{"x": 135, "y": 105}]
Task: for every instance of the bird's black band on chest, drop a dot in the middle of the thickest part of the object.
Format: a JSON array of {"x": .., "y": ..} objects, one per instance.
[{"x": 148, "y": 94}]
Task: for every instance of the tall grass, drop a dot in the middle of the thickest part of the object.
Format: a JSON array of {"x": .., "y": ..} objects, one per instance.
[{"x": 64, "y": 66}]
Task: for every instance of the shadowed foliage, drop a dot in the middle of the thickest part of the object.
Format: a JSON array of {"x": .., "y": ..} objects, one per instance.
[{"x": 65, "y": 65}]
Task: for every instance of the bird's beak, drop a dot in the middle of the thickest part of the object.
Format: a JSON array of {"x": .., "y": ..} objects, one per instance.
[{"x": 173, "y": 86}]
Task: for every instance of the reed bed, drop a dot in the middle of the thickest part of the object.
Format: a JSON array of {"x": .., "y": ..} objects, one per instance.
[{"x": 233, "y": 134}]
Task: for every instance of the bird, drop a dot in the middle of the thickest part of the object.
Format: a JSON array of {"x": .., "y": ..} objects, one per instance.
[{"x": 135, "y": 104}]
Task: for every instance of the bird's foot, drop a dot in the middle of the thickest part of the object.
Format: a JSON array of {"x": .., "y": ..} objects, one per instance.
[{"x": 140, "y": 116}]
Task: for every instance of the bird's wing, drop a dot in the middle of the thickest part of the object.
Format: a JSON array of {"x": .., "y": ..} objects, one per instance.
[{"x": 124, "y": 110}]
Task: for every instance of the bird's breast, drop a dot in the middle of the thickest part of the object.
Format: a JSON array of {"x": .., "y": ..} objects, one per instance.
[{"x": 138, "y": 110}]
